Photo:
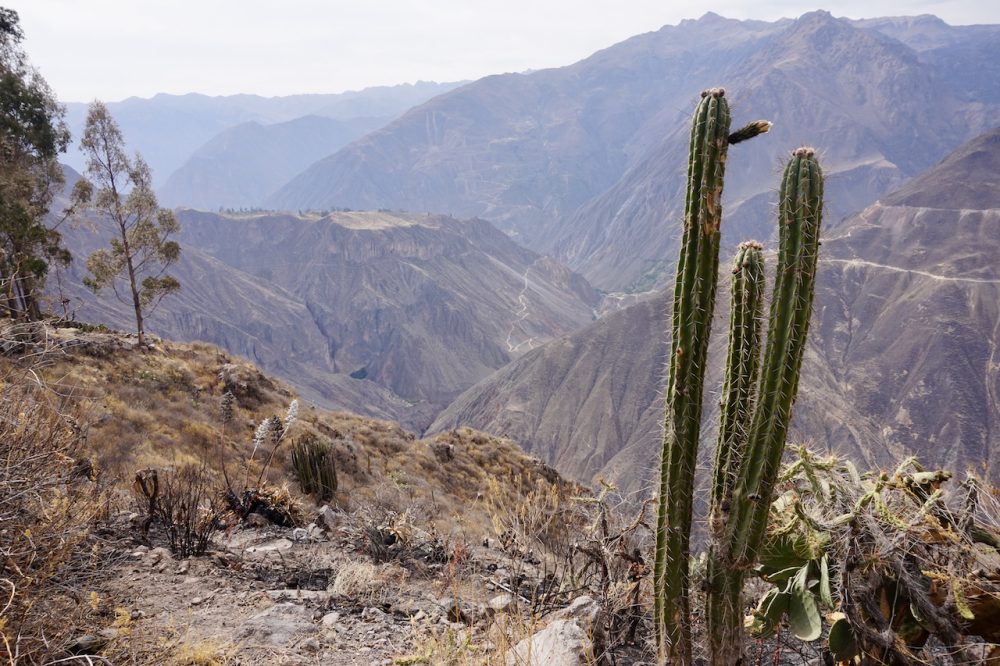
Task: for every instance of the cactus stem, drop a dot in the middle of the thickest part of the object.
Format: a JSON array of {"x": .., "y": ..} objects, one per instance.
[{"x": 749, "y": 495}]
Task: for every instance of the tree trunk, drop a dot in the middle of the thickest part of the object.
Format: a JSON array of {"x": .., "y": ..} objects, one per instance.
[{"x": 136, "y": 303}]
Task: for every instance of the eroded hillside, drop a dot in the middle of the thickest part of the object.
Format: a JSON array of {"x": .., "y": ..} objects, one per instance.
[
  {"x": 386, "y": 314},
  {"x": 901, "y": 357},
  {"x": 451, "y": 547}
]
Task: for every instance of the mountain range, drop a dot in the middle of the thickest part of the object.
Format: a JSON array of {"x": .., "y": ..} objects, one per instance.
[
  {"x": 902, "y": 356},
  {"x": 241, "y": 165},
  {"x": 168, "y": 129},
  {"x": 585, "y": 162},
  {"x": 439, "y": 317}
]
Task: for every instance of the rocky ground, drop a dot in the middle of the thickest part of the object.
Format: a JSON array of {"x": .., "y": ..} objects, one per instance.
[
  {"x": 315, "y": 595},
  {"x": 455, "y": 549}
]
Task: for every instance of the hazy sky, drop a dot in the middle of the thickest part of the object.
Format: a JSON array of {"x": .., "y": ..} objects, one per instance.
[{"x": 111, "y": 49}]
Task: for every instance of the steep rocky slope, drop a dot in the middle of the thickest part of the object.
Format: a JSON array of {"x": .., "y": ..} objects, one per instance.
[
  {"x": 587, "y": 402},
  {"x": 858, "y": 96},
  {"x": 902, "y": 355},
  {"x": 385, "y": 314},
  {"x": 963, "y": 55},
  {"x": 911, "y": 320},
  {"x": 240, "y": 166},
  {"x": 585, "y": 162},
  {"x": 407, "y": 545}
]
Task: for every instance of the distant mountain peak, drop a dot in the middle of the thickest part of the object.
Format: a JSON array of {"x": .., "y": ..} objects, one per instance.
[
  {"x": 820, "y": 20},
  {"x": 709, "y": 19}
]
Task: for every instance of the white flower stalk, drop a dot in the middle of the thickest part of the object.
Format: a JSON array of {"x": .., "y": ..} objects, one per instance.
[
  {"x": 292, "y": 415},
  {"x": 262, "y": 432}
]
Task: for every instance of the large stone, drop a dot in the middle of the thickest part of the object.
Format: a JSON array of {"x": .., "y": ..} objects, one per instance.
[
  {"x": 502, "y": 603},
  {"x": 297, "y": 594},
  {"x": 562, "y": 643},
  {"x": 269, "y": 547},
  {"x": 158, "y": 555}
]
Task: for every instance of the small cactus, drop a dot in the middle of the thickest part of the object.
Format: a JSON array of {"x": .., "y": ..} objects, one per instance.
[
  {"x": 742, "y": 369},
  {"x": 800, "y": 213},
  {"x": 315, "y": 468}
]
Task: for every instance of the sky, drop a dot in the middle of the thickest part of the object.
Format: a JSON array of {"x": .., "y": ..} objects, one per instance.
[{"x": 113, "y": 49}]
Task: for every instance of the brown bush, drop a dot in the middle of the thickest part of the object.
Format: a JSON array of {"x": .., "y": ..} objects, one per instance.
[
  {"x": 184, "y": 503},
  {"x": 47, "y": 503}
]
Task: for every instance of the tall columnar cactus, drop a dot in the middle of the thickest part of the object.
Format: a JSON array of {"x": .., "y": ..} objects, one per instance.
[
  {"x": 743, "y": 520},
  {"x": 739, "y": 390},
  {"x": 694, "y": 302}
]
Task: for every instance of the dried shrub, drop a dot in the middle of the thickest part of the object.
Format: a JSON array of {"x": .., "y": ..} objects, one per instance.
[
  {"x": 254, "y": 495},
  {"x": 183, "y": 502},
  {"x": 275, "y": 503},
  {"x": 47, "y": 503},
  {"x": 366, "y": 583}
]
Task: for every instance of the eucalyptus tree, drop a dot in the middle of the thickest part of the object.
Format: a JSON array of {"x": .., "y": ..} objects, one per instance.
[{"x": 140, "y": 249}]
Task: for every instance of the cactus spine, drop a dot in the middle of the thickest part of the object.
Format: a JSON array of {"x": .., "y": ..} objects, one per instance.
[
  {"x": 736, "y": 410},
  {"x": 693, "y": 305},
  {"x": 743, "y": 520}
]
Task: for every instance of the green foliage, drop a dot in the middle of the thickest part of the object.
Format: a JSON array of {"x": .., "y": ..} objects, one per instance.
[
  {"x": 140, "y": 249},
  {"x": 693, "y": 307},
  {"x": 797, "y": 600},
  {"x": 843, "y": 645},
  {"x": 799, "y": 593},
  {"x": 315, "y": 467},
  {"x": 32, "y": 134},
  {"x": 893, "y": 558}
]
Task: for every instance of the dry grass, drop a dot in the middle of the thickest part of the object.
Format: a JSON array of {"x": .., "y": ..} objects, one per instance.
[
  {"x": 204, "y": 653},
  {"x": 48, "y": 502},
  {"x": 160, "y": 409},
  {"x": 367, "y": 583},
  {"x": 471, "y": 646}
]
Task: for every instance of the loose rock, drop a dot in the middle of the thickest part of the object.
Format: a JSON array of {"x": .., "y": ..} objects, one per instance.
[{"x": 562, "y": 643}]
